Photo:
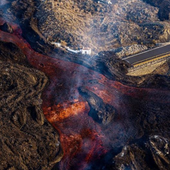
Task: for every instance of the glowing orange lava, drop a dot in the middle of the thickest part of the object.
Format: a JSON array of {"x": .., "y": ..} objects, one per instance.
[
  {"x": 63, "y": 111},
  {"x": 81, "y": 137}
]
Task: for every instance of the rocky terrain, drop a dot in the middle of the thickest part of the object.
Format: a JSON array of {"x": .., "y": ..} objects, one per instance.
[
  {"x": 101, "y": 26},
  {"x": 97, "y": 25},
  {"x": 163, "y": 6},
  {"x": 101, "y": 117},
  {"x": 27, "y": 140}
]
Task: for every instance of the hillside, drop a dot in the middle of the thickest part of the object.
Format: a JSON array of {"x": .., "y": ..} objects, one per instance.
[{"x": 101, "y": 26}]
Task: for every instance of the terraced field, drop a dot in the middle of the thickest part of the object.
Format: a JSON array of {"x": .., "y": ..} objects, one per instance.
[{"x": 97, "y": 25}]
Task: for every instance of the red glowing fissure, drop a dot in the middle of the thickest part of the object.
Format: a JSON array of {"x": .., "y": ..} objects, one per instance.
[{"x": 82, "y": 139}]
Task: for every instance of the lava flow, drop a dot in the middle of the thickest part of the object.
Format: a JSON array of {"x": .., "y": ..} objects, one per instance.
[{"x": 84, "y": 140}]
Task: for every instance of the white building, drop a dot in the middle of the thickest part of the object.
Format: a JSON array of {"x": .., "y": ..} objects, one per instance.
[
  {"x": 105, "y": 2},
  {"x": 56, "y": 44},
  {"x": 83, "y": 51},
  {"x": 73, "y": 51},
  {"x": 86, "y": 51},
  {"x": 109, "y": 2}
]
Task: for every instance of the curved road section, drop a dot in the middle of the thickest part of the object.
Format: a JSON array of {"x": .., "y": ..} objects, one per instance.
[{"x": 149, "y": 56}]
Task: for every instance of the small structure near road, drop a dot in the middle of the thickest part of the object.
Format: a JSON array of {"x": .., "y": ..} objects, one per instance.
[
  {"x": 56, "y": 44},
  {"x": 86, "y": 51},
  {"x": 105, "y": 2}
]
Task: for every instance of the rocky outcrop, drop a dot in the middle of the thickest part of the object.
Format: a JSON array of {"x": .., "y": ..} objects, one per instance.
[
  {"x": 27, "y": 140},
  {"x": 6, "y": 27},
  {"x": 99, "y": 111},
  {"x": 164, "y": 8},
  {"x": 130, "y": 50},
  {"x": 152, "y": 153},
  {"x": 132, "y": 158}
]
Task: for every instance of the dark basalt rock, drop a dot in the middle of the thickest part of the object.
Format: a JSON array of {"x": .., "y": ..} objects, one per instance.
[
  {"x": 27, "y": 140},
  {"x": 131, "y": 158},
  {"x": 99, "y": 111},
  {"x": 160, "y": 150},
  {"x": 6, "y": 27},
  {"x": 11, "y": 53},
  {"x": 149, "y": 154}
]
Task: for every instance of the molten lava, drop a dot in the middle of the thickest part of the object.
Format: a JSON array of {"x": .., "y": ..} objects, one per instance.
[
  {"x": 79, "y": 137},
  {"x": 83, "y": 140},
  {"x": 61, "y": 112}
]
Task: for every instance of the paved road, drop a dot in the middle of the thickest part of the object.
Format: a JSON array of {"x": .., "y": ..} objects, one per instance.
[{"x": 148, "y": 55}]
